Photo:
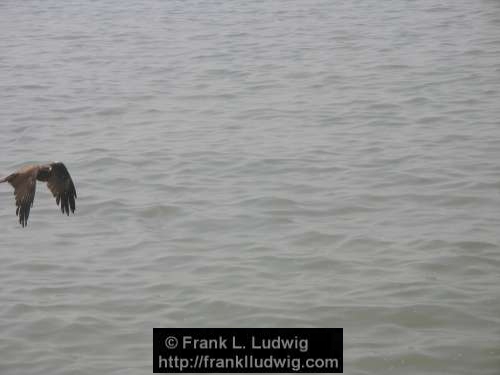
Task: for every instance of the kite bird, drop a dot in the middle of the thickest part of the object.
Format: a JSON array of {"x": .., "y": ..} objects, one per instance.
[{"x": 58, "y": 181}]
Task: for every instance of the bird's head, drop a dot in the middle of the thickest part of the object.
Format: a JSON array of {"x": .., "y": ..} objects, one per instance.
[{"x": 44, "y": 173}]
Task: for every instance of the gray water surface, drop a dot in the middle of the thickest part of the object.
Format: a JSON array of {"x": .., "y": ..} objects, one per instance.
[{"x": 253, "y": 164}]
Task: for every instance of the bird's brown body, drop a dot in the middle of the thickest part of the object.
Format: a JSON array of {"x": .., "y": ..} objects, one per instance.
[{"x": 58, "y": 181}]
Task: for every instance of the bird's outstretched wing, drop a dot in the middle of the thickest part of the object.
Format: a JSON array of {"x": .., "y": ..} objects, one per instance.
[
  {"x": 62, "y": 187},
  {"x": 24, "y": 184}
]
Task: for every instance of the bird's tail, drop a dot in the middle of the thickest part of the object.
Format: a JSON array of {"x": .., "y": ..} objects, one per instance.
[{"x": 3, "y": 179}]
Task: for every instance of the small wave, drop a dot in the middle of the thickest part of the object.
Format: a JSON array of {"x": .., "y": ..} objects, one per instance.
[{"x": 159, "y": 211}]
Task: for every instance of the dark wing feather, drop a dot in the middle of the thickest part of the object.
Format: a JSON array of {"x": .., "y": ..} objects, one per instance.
[
  {"x": 62, "y": 187},
  {"x": 24, "y": 184}
]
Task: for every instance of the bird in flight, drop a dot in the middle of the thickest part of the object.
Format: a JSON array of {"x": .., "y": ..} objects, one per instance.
[{"x": 58, "y": 181}]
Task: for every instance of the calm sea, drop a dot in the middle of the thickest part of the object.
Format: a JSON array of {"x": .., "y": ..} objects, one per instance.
[{"x": 298, "y": 163}]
